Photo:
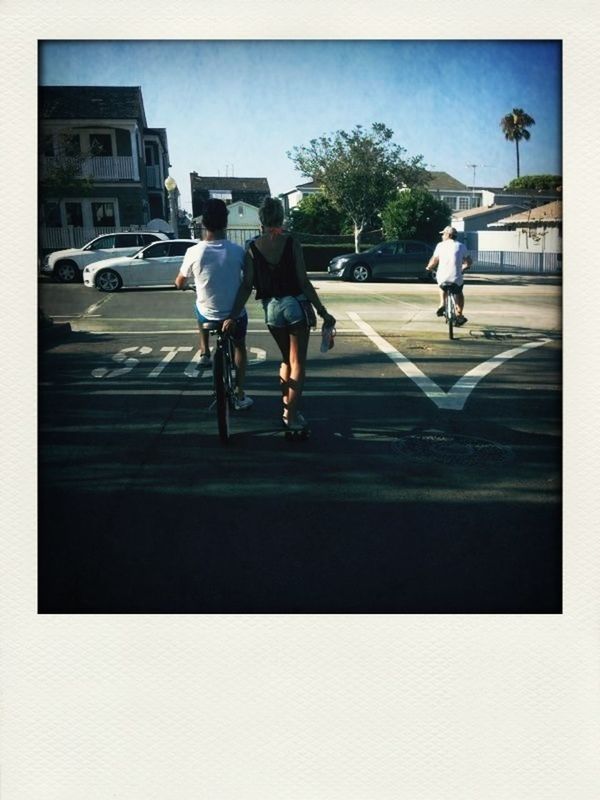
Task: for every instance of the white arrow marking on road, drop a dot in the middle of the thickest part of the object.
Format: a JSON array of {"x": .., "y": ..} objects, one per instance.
[
  {"x": 171, "y": 353},
  {"x": 455, "y": 399},
  {"x": 261, "y": 355},
  {"x": 120, "y": 357}
]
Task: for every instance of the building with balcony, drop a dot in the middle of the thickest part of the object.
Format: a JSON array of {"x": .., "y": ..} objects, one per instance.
[{"x": 101, "y": 168}]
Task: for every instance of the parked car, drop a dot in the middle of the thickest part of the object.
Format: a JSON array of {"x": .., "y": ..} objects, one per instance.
[
  {"x": 154, "y": 265},
  {"x": 67, "y": 265},
  {"x": 406, "y": 258}
]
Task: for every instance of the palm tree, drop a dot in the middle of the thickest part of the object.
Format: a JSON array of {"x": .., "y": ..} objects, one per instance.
[{"x": 514, "y": 126}]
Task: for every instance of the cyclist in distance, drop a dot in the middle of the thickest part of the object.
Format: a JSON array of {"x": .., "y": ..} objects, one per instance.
[
  {"x": 275, "y": 268},
  {"x": 451, "y": 259},
  {"x": 216, "y": 265}
]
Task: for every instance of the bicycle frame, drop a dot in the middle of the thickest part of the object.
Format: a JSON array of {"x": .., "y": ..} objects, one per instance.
[
  {"x": 223, "y": 377},
  {"x": 450, "y": 312}
]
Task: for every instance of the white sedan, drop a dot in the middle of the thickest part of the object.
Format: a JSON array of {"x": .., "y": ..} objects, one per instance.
[{"x": 156, "y": 264}]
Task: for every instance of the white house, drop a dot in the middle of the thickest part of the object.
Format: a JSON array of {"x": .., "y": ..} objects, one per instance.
[
  {"x": 536, "y": 229},
  {"x": 294, "y": 196}
]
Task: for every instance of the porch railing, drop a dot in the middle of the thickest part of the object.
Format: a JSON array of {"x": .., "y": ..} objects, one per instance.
[{"x": 98, "y": 167}]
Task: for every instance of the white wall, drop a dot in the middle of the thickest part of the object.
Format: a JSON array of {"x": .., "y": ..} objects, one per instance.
[{"x": 537, "y": 240}]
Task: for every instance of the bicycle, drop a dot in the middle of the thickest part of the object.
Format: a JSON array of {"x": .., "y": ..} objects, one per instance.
[
  {"x": 450, "y": 314},
  {"x": 223, "y": 377}
]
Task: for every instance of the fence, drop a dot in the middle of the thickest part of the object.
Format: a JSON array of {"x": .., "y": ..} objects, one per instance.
[
  {"x": 516, "y": 261},
  {"x": 51, "y": 239}
]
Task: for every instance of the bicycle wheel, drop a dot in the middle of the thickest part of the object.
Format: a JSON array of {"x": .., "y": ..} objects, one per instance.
[
  {"x": 221, "y": 393},
  {"x": 450, "y": 315}
]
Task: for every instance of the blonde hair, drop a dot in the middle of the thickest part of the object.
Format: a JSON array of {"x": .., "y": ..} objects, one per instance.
[{"x": 270, "y": 212}]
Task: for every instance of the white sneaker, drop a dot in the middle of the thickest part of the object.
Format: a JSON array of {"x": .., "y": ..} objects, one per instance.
[
  {"x": 242, "y": 402},
  {"x": 205, "y": 360}
]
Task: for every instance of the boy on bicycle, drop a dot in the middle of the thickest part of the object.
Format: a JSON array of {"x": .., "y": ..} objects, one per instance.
[
  {"x": 216, "y": 265},
  {"x": 451, "y": 259}
]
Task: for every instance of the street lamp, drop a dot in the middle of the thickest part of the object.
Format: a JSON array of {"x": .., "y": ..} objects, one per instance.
[{"x": 171, "y": 187}]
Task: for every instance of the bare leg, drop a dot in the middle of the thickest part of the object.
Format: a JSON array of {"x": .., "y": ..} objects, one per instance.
[
  {"x": 298, "y": 347},
  {"x": 442, "y": 297},
  {"x": 204, "y": 344},
  {"x": 459, "y": 299},
  {"x": 240, "y": 356},
  {"x": 282, "y": 337}
]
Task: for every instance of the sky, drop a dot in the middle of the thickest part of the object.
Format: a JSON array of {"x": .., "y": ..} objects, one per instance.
[{"x": 237, "y": 107}]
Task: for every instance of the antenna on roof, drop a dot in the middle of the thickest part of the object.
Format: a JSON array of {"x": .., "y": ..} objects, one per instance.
[{"x": 474, "y": 167}]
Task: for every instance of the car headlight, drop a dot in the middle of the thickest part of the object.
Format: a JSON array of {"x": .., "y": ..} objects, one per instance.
[{"x": 339, "y": 262}]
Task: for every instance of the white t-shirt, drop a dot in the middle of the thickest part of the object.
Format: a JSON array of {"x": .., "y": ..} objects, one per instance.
[
  {"x": 217, "y": 270},
  {"x": 450, "y": 254}
]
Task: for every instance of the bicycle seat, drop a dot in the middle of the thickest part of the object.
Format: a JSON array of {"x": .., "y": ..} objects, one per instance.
[
  {"x": 212, "y": 325},
  {"x": 450, "y": 287}
]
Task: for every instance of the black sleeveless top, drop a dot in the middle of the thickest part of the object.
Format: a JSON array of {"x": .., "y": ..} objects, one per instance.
[{"x": 275, "y": 280}]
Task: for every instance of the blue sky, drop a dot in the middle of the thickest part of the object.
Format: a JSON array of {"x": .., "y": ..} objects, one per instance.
[{"x": 237, "y": 107}]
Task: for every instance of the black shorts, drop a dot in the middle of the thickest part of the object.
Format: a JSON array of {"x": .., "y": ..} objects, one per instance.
[{"x": 453, "y": 288}]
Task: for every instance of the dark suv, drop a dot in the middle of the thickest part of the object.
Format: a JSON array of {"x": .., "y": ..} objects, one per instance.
[{"x": 405, "y": 258}]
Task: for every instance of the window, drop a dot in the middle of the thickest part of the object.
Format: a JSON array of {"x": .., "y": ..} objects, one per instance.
[
  {"x": 126, "y": 240},
  {"x": 146, "y": 238},
  {"x": 179, "y": 248},
  {"x": 103, "y": 215},
  {"x": 241, "y": 211},
  {"x": 218, "y": 194},
  {"x": 51, "y": 215},
  {"x": 72, "y": 145},
  {"x": 387, "y": 249},
  {"x": 74, "y": 214},
  {"x": 449, "y": 200},
  {"x": 464, "y": 203},
  {"x": 102, "y": 243},
  {"x": 415, "y": 247},
  {"x": 101, "y": 144},
  {"x": 158, "y": 250}
]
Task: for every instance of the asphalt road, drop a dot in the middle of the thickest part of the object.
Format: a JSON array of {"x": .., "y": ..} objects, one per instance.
[{"x": 430, "y": 484}]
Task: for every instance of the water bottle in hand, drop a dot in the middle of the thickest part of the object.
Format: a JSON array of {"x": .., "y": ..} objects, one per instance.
[{"x": 327, "y": 337}]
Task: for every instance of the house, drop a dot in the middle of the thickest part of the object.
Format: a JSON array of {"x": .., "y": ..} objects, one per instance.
[
  {"x": 291, "y": 199},
  {"x": 101, "y": 168},
  {"x": 242, "y": 223},
  {"x": 468, "y": 223},
  {"x": 231, "y": 190},
  {"x": 536, "y": 229},
  {"x": 452, "y": 192}
]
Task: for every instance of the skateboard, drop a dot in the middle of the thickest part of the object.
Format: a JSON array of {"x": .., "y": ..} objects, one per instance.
[{"x": 296, "y": 434}]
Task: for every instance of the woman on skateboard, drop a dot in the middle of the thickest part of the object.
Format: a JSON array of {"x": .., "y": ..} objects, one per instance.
[{"x": 274, "y": 266}]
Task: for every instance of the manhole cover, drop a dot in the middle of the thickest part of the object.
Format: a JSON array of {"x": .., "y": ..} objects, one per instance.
[{"x": 449, "y": 448}]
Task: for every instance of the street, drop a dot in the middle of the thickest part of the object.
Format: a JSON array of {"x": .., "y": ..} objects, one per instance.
[{"x": 430, "y": 484}]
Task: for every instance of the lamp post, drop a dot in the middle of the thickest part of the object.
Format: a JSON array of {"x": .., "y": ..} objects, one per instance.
[{"x": 171, "y": 187}]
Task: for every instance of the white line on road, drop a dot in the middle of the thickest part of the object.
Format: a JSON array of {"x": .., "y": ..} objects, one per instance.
[{"x": 456, "y": 398}]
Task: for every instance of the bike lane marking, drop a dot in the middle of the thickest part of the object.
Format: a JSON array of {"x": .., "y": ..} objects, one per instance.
[{"x": 456, "y": 397}]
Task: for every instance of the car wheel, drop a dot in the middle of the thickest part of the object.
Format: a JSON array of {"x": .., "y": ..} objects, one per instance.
[
  {"x": 108, "y": 281},
  {"x": 66, "y": 271},
  {"x": 360, "y": 273}
]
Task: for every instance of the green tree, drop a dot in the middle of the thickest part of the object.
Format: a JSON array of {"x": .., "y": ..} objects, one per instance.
[
  {"x": 62, "y": 174},
  {"x": 415, "y": 214},
  {"x": 359, "y": 171},
  {"x": 316, "y": 214},
  {"x": 551, "y": 183},
  {"x": 514, "y": 126}
]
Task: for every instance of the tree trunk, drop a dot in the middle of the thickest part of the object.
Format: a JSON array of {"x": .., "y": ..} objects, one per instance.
[
  {"x": 518, "y": 165},
  {"x": 357, "y": 232}
]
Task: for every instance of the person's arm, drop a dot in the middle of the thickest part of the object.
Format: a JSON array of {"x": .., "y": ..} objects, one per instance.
[
  {"x": 243, "y": 292},
  {"x": 307, "y": 288},
  {"x": 433, "y": 263},
  {"x": 185, "y": 270}
]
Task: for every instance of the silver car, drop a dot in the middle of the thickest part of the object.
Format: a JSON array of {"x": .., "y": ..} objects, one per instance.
[
  {"x": 404, "y": 258},
  {"x": 155, "y": 265}
]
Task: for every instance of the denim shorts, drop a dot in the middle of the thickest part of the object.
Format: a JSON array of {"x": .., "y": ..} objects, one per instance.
[
  {"x": 281, "y": 312},
  {"x": 241, "y": 324}
]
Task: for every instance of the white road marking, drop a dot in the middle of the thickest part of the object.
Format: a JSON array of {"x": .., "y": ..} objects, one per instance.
[
  {"x": 171, "y": 353},
  {"x": 456, "y": 398},
  {"x": 95, "y": 306},
  {"x": 121, "y": 357}
]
